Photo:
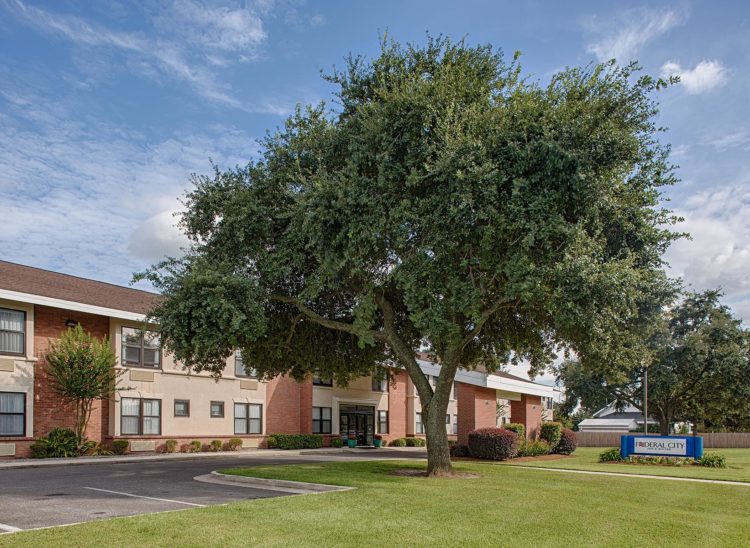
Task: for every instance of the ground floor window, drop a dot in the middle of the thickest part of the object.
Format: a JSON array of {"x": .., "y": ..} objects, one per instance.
[
  {"x": 217, "y": 409},
  {"x": 140, "y": 417},
  {"x": 321, "y": 420},
  {"x": 182, "y": 408},
  {"x": 248, "y": 418},
  {"x": 455, "y": 424},
  {"x": 382, "y": 422},
  {"x": 12, "y": 414},
  {"x": 420, "y": 426}
]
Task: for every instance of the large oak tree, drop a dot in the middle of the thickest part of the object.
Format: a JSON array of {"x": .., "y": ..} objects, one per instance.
[
  {"x": 444, "y": 202},
  {"x": 698, "y": 369}
]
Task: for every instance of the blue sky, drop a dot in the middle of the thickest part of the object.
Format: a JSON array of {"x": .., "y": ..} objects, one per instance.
[{"x": 106, "y": 107}]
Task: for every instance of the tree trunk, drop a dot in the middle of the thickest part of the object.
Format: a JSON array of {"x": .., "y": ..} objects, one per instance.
[
  {"x": 665, "y": 419},
  {"x": 438, "y": 453}
]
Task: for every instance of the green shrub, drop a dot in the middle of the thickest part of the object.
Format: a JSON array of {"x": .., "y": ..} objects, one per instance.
[
  {"x": 611, "y": 455},
  {"x": 38, "y": 450},
  {"x": 91, "y": 448},
  {"x": 568, "y": 442},
  {"x": 170, "y": 446},
  {"x": 120, "y": 447},
  {"x": 295, "y": 441},
  {"x": 712, "y": 460},
  {"x": 399, "y": 442},
  {"x": 459, "y": 450},
  {"x": 60, "y": 442},
  {"x": 551, "y": 432},
  {"x": 414, "y": 442},
  {"x": 493, "y": 443},
  {"x": 234, "y": 444},
  {"x": 532, "y": 448},
  {"x": 659, "y": 460},
  {"x": 195, "y": 446},
  {"x": 518, "y": 428},
  {"x": 337, "y": 442},
  {"x": 272, "y": 442},
  {"x": 216, "y": 445}
]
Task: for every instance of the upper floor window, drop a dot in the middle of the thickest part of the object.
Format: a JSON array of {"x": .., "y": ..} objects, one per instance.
[
  {"x": 12, "y": 414},
  {"x": 12, "y": 331},
  {"x": 420, "y": 424},
  {"x": 379, "y": 385},
  {"x": 242, "y": 370},
  {"x": 454, "y": 391},
  {"x": 140, "y": 348},
  {"x": 318, "y": 381}
]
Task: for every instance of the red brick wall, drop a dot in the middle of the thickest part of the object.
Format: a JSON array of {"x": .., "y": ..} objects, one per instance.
[
  {"x": 477, "y": 408},
  {"x": 528, "y": 412},
  {"x": 283, "y": 397},
  {"x": 50, "y": 410},
  {"x": 305, "y": 407},
  {"x": 397, "y": 405}
]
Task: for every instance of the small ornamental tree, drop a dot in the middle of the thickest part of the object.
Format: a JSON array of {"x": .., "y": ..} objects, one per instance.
[
  {"x": 449, "y": 203},
  {"x": 82, "y": 370}
]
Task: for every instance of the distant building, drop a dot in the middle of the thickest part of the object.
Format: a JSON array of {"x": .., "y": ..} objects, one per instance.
[{"x": 611, "y": 419}]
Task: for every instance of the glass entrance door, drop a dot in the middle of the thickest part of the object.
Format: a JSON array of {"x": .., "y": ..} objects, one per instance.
[{"x": 357, "y": 421}]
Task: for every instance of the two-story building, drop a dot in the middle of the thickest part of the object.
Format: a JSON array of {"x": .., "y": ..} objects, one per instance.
[{"x": 161, "y": 400}]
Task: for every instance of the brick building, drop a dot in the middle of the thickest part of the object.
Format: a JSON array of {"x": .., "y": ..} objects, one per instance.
[{"x": 160, "y": 400}]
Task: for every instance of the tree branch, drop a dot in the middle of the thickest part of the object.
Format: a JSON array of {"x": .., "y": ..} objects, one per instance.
[
  {"x": 325, "y": 322},
  {"x": 486, "y": 315}
]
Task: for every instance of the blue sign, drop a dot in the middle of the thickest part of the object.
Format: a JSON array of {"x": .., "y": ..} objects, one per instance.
[{"x": 662, "y": 446}]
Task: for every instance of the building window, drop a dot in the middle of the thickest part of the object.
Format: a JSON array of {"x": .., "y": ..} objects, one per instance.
[
  {"x": 318, "y": 381},
  {"x": 12, "y": 414},
  {"x": 240, "y": 370},
  {"x": 248, "y": 418},
  {"x": 455, "y": 424},
  {"x": 12, "y": 331},
  {"x": 379, "y": 385},
  {"x": 382, "y": 422},
  {"x": 140, "y": 417},
  {"x": 550, "y": 403},
  {"x": 140, "y": 348},
  {"x": 447, "y": 419},
  {"x": 321, "y": 420},
  {"x": 454, "y": 390},
  {"x": 182, "y": 408},
  {"x": 420, "y": 426},
  {"x": 217, "y": 409}
]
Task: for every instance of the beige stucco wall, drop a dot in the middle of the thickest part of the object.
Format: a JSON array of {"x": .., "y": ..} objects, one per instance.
[
  {"x": 359, "y": 392},
  {"x": 17, "y": 372},
  {"x": 174, "y": 382},
  {"x": 414, "y": 406}
]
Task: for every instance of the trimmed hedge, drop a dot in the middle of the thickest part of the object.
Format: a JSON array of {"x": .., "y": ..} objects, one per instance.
[
  {"x": 493, "y": 443},
  {"x": 120, "y": 447},
  {"x": 518, "y": 428},
  {"x": 398, "y": 442},
  {"x": 294, "y": 441},
  {"x": 408, "y": 442},
  {"x": 337, "y": 442},
  {"x": 568, "y": 442},
  {"x": 234, "y": 444},
  {"x": 533, "y": 448},
  {"x": 459, "y": 450},
  {"x": 551, "y": 432}
]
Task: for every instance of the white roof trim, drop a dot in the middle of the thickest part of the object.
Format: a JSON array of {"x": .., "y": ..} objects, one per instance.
[
  {"x": 70, "y": 305},
  {"x": 477, "y": 378}
]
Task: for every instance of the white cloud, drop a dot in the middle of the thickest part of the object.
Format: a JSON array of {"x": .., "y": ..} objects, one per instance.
[
  {"x": 85, "y": 197},
  {"x": 192, "y": 40},
  {"x": 705, "y": 76},
  {"x": 718, "y": 255},
  {"x": 622, "y": 38}
]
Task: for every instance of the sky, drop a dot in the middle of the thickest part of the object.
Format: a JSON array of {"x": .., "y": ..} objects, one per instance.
[{"x": 107, "y": 107}]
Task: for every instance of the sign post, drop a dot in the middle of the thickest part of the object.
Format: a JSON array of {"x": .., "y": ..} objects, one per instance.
[{"x": 662, "y": 446}]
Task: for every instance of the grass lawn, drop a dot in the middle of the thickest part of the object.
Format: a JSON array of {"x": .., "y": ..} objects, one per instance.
[
  {"x": 586, "y": 458},
  {"x": 506, "y": 506}
]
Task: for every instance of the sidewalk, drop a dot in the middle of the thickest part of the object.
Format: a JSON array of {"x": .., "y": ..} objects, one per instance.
[{"x": 155, "y": 457}]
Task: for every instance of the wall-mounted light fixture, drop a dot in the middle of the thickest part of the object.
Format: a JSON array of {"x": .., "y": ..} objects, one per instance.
[{"x": 71, "y": 323}]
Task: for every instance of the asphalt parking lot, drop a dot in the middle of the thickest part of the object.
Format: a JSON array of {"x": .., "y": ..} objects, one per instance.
[{"x": 31, "y": 498}]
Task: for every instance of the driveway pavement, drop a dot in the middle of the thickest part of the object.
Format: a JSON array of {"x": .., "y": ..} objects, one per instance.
[{"x": 43, "y": 497}]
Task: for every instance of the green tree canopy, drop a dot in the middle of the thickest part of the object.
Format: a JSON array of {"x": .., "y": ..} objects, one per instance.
[
  {"x": 447, "y": 202},
  {"x": 699, "y": 369}
]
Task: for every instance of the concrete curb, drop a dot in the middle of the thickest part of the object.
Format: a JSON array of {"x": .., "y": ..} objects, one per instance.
[{"x": 288, "y": 486}]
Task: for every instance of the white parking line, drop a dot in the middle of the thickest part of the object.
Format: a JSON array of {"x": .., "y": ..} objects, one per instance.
[
  {"x": 145, "y": 497},
  {"x": 9, "y": 528}
]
